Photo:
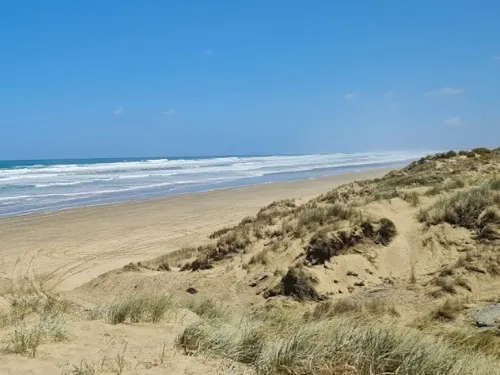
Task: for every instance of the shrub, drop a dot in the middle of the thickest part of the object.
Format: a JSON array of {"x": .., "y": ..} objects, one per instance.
[
  {"x": 387, "y": 231},
  {"x": 481, "y": 151},
  {"x": 326, "y": 244},
  {"x": 297, "y": 283}
]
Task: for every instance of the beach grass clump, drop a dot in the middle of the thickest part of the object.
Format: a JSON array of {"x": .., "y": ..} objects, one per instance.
[
  {"x": 262, "y": 257},
  {"x": 312, "y": 215},
  {"x": 25, "y": 306},
  {"x": 338, "y": 344},
  {"x": 297, "y": 283},
  {"x": 412, "y": 197},
  {"x": 208, "y": 308},
  {"x": 137, "y": 309},
  {"x": 172, "y": 259},
  {"x": 26, "y": 338},
  {"x": 349, "y": 306},
  {"x": 449, "y": 310},
  {"x": 233, "y": 242},
  {"x": 451, "y": 184},
  {"x": 326, "y": 243},
  {"x": 45, "y": 304},
  {"x": 220, "y": 232},
  {"x": 472, "y": 209}
]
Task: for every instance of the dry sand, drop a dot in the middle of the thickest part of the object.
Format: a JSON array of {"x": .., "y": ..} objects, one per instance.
[{"x": 62, "y": 250}]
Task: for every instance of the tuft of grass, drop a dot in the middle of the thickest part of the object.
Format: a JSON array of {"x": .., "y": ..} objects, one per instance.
[
  {"x": 462, "y": 208},
  {"x": 220, "y": 232},
  {"x": 447, "y": 284},
  {"x": 371, "y": 307},
  {"x": 297, "y": 283},
  {"x": 139, "y": 309},
  {"x": 387, "y": 231},
  {"x": 208, "y": 308},
  {"x": 449, "y": 310},
  {"x": 83, "y": 368},
  {"x": 326, "y": 244},
  {"x": 446, "y": 186},
  {"x": 233, "y": 242},
  {"x": 413, "y": 198},
  {"x": 260, "y": 258},
  {"x": 25, "y": 339}
]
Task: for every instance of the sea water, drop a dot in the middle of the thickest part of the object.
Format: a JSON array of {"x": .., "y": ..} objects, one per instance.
[{"x": 45, "y": 185}]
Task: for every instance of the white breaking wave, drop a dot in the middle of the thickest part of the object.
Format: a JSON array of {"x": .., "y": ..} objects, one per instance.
[{"x": 35, "y": 186}]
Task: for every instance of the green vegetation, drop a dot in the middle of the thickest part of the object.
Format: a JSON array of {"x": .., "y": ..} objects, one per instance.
[
  {"x": 207, "y": 308},
  {"x": 135, "y": 309},
  {"x": 36, "y": 319},
  {"x": 350, "y": 306},
  {"x": 476, "y": 208},
  {"x": 326, "y": 244},
  {"x": 336, "y": 344},
  {"x": 446, "y": 186},
  {"x": 297, "y": 283}
]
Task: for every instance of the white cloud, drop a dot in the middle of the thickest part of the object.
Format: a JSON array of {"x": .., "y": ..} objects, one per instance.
[
  {"x": 168, "y": 112},
  {"x": 454, "y": 121},
  {"x": 351, "y": 95},
  {"x": 445, "y": 91},
  {"x": 118, "y": 111},
  {"x": 208, "y": 52},
  {"x": 390, "y": 94}
]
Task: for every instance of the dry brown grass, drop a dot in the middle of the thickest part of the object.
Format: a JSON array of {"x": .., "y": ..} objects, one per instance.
[{"x": 449, "y": 310}]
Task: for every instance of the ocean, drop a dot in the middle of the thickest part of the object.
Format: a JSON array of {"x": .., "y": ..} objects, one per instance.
[{"x": 46, "y": 185}]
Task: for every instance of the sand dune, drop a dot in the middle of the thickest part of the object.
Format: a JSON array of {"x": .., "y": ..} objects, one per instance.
[{"x": 65, "y": 249}]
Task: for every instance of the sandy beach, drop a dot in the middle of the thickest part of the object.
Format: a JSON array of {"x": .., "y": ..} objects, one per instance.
[{"x": 62, "y": 250}]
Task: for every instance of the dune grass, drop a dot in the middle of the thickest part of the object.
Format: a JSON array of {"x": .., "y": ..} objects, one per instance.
[
  {"x": 135, "y": 309},
  {"x": 207, "y": 308},
  {"x": 337, "y": 344},
  {"x": 25, "y": 338},
  {"x": 476, "y": 208},
  {"x": 350, "y": 306}
]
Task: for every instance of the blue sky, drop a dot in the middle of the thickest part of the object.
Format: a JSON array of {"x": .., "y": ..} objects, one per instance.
[{"x": 150, "y": 78}]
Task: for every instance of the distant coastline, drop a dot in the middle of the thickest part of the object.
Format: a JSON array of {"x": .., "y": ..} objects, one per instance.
[{"x": 46, "y": 185}]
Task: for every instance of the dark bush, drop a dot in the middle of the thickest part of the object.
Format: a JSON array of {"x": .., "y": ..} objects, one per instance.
[
  {"x": 386, "y": 232},
  {"x": 297, "y": 283}
]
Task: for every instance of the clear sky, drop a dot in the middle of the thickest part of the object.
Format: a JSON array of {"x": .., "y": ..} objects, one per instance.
[{"x": 153, "y": 78}]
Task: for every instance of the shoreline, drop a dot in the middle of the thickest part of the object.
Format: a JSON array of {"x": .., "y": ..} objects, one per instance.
[
  {"x": 61, "y": 250},
  {"x": 42, "y": 212}
]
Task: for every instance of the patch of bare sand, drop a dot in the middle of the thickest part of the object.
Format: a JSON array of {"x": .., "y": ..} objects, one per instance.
[{"x": 98, "y": 347}]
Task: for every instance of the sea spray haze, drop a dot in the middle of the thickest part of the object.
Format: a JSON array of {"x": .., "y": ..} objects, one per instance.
[{"x": 43, "y": 185}]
